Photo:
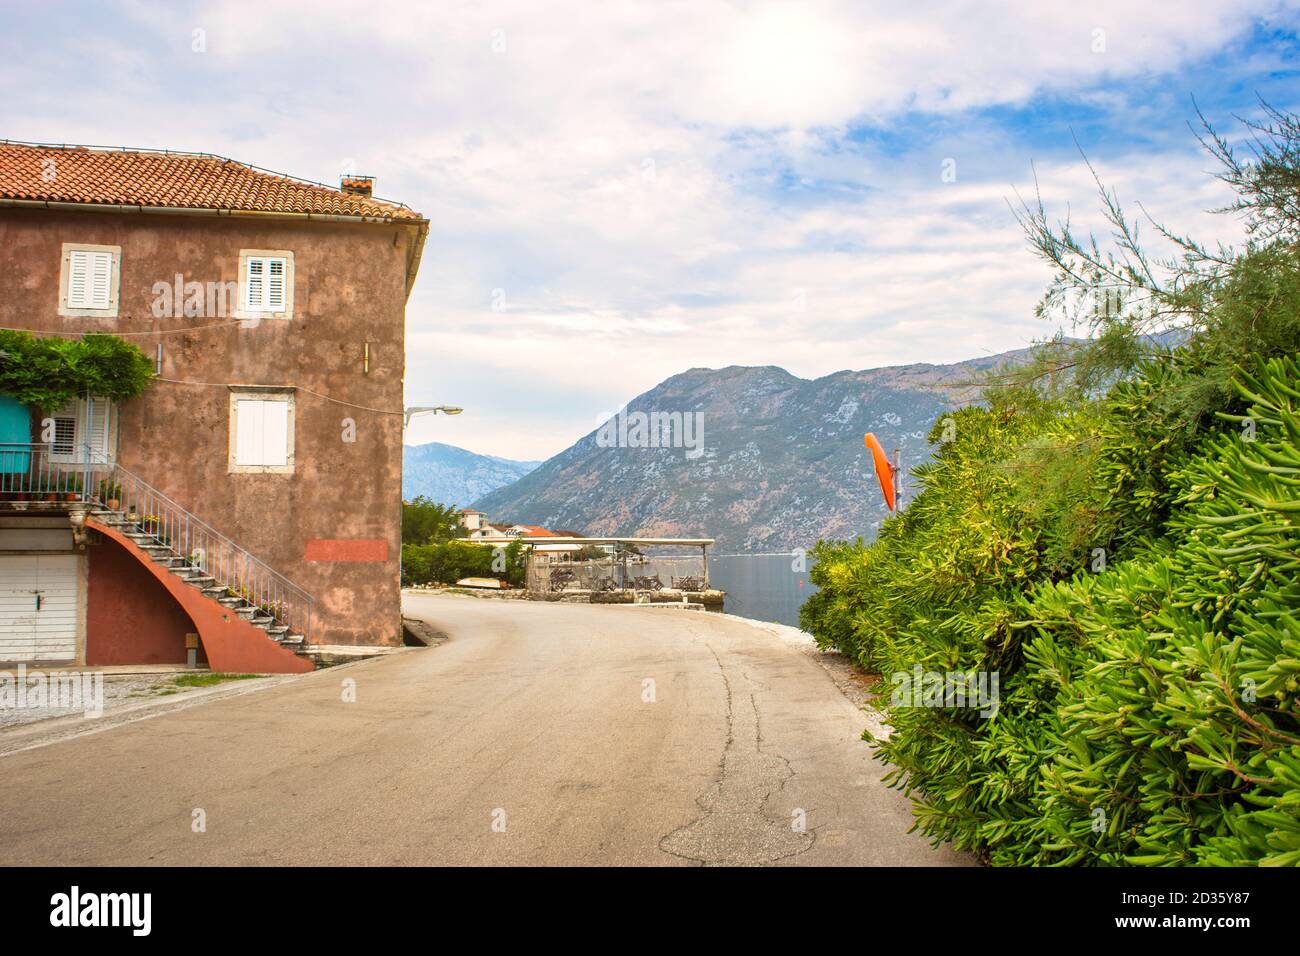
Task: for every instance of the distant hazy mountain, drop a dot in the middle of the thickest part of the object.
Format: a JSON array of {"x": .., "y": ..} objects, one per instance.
[
  {"x": 782, "y": 461},
  {"x": 454, "y": 476}
]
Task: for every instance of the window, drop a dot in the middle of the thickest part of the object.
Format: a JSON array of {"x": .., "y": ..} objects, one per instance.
[
  {"x": 261, "y": 431},
  {"x": 88, "y": 282},
  {"x": 86, "y": 426},
  {"x": 65, "y": 434},
  {"x": 266, "y": 284}
]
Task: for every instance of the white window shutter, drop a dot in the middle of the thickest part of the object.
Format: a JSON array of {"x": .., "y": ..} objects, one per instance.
[
  {"x": 255, "y": 283},
  {"x": 248, "y": 432},
  {"x": 78, "y": 279},
  {"x": 98, "y": 434},
  {"x": 262, "y": 432},
  {"x": 90, "y": 279},
  {"x": 101, "y": 280},
  {"x": 275, "y": 285},
  {"x": 266, "y": 283},
  {"x": 275, "y": 433}
]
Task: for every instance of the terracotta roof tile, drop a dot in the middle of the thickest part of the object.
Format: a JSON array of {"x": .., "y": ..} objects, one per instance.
[
  {"x": 537, "y": 531},
  {"x": 81, "y": 174}
]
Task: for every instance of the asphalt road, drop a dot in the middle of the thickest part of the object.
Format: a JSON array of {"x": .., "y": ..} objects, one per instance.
[{"x": 538, "y": 734}]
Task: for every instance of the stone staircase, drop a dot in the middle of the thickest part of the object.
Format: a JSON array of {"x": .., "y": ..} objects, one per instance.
[{"x": 167, "y": 557}]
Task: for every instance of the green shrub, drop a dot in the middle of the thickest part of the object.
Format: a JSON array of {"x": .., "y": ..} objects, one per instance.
[
  {"x": 446, "y": 562},
  {"x": 47, "y": 372},
  {"x": 417, "y": 564},
  {"x": 1116, "y": 535},
  {"x": 1149, "y": 706}
]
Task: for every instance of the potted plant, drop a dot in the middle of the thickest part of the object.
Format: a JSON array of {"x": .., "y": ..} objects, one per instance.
[
  {"x": 273, "y": 608},
  {"x": 110, "y": 492},
  {"x": 71, "y": 487}
]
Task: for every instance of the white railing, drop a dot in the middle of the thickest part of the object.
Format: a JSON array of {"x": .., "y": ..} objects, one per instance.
[{"x": 49, "y": 473}]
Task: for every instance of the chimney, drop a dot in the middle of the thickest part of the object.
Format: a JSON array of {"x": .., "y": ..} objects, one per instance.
[{"x": 359, "y": 185}]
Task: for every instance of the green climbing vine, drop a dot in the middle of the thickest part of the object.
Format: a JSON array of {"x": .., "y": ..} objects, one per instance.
[{"x": 46, "y": 372}]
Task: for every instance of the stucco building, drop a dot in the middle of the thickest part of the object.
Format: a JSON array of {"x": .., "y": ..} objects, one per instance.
[{"x": 252, "y": 494}]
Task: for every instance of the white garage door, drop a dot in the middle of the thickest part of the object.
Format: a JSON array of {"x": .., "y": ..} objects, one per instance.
[{"x": 38, "y": 607}]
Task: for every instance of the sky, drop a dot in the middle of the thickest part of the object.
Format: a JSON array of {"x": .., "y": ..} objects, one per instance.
[{"x": 621, "y": 191}]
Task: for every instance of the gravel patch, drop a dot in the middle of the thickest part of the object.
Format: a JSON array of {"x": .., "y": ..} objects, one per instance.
[{"x": 118, "y": 691}]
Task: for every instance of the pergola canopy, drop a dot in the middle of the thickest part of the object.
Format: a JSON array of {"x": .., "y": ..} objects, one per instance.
[{"x": 653, "y": 542}]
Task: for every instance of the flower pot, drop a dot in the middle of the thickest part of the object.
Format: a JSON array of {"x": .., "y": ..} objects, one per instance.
[{"x": 113, "y": 504}]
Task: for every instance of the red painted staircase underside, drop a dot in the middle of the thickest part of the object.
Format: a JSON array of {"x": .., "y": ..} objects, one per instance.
[{"x": 232, "y": 644}]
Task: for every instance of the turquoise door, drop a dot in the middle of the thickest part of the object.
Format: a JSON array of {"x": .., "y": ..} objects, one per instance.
[{"x": 15, "y": 429}]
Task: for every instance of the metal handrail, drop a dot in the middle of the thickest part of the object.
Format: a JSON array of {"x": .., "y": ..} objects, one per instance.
[{"x": 37, "y": 470}]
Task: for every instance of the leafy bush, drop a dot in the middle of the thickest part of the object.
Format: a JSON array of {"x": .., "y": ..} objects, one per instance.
[
  {"x": 434, "y": 550},
  {"x": 446, "y": 562},
  {"x": 1126, "y": 558},
  {"x": 47, "y": 372},
  {"x": 1149, "y": 706}
]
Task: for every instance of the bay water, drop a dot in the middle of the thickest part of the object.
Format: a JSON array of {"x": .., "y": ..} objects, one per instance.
[{"x": 765, "y": 587}]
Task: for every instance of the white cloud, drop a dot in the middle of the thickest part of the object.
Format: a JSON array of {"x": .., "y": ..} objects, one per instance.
[{"x": 653, "y": 186}]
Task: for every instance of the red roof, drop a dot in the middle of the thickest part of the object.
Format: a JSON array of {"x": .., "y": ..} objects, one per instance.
[
  {"x": 537, "y": 531},
  {"x": 127, "y": 177}
]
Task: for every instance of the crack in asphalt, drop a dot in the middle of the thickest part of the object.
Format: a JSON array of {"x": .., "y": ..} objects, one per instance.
[{"x": 734, "y": 828}]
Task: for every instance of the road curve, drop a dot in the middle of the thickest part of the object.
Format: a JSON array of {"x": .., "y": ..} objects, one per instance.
[{"x": 538, "y": 734}]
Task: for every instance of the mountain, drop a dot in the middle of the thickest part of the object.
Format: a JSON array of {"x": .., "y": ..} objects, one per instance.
[
  {"x": 454, "y": 476},
  {"x": 781, "y": 462}
]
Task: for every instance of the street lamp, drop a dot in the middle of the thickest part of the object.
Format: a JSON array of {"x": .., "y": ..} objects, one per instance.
[{"x": 420, "y": 409}]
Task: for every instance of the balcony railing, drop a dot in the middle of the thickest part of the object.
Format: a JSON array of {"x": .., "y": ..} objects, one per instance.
[{"x": 51, "y": 473}]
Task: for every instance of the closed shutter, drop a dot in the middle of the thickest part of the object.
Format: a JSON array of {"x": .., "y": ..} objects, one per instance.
[
  {"x": 101, "y": 280},
  {"x": 98, "y": 418},
  {"x": 265, "y": 283},
  {"x": 275, "y": 285},
  {"x": 248, "y": 431},
  {"x": 275, "y": 433},
  {"x": 255, "y": 283},
  {"x": 262, "y": 432},
  {"x": 78, "y": 279},
  {"x": 90, "y": 280}
]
